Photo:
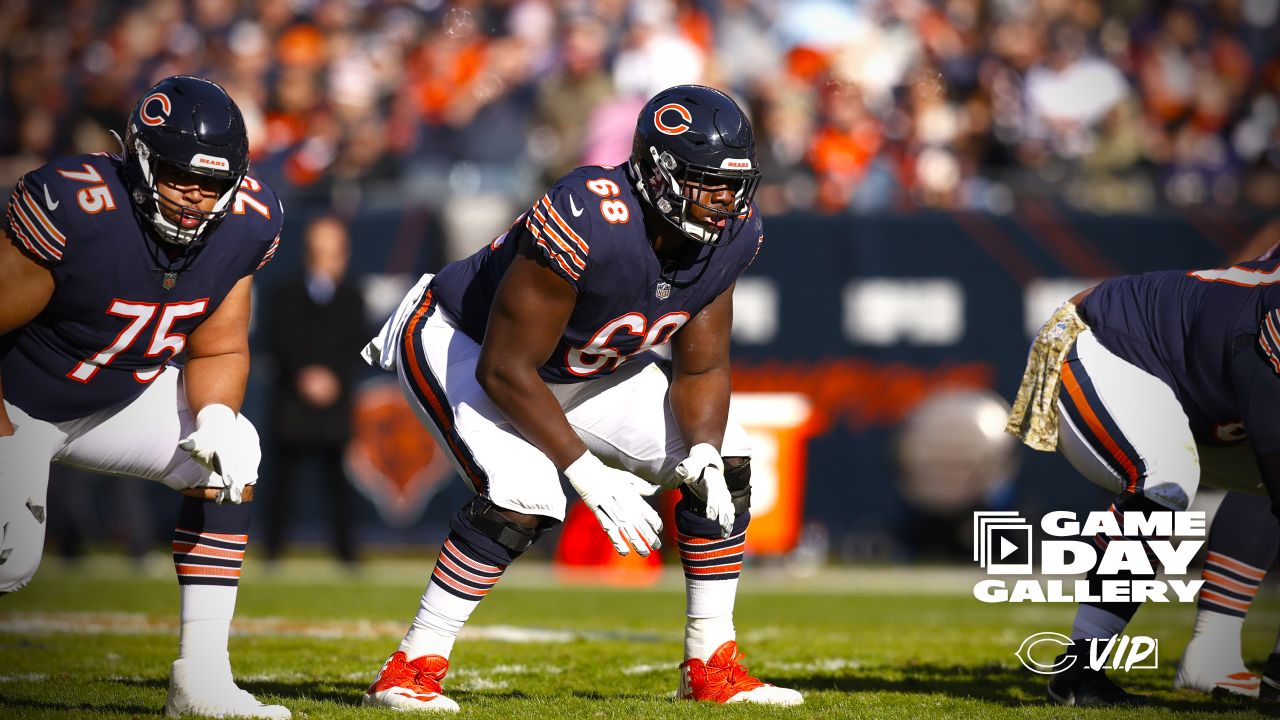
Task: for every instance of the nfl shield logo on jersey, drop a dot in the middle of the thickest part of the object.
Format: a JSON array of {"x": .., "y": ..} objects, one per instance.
[{"x": 663, "y": 290}]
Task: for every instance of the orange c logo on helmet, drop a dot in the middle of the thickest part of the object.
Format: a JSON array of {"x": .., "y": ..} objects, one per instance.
[
  {"x": 165, "y": 109},
  {"x": 681, "y": 110}
]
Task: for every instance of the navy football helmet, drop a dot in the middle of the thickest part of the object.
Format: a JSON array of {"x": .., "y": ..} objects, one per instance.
[
  {"x": 189, "y": 124},
  {"x": 689, "y": 137}
]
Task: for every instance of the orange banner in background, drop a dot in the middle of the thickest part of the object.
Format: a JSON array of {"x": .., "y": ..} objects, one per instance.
[{"x": 859, "y": 393}]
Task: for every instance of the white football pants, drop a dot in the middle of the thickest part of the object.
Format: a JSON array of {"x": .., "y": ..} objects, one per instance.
[{"x": 136, "y": 439}]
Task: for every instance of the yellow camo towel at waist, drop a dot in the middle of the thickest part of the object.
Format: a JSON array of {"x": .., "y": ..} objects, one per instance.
[{"x": 1034, "y": 418}]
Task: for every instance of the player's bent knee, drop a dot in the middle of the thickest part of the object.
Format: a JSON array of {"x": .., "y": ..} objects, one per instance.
[
  {"x": 691, "y": 511},
  {"x": 497, "y": 535}
]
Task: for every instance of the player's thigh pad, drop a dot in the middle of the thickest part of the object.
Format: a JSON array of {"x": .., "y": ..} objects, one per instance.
[
  {"x": 1124, "y": 429},
  {"x": 626, "y": 419},
  {"x": 24, "y": 489},
  {"x": 140, "y": 439},
  {"x": 437, "y": 375}
]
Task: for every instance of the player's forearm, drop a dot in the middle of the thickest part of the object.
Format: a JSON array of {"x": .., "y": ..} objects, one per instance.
[
  {"x": 525, "y": 400},
  {"x": 700, "y": 403},
  {"x": 216, "y": 380}
]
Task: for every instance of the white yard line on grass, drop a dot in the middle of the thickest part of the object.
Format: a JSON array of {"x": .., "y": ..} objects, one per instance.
[{"x": 80, "y": 623}]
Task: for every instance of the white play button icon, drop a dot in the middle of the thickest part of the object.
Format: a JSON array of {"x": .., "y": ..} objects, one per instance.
[{"x": 1007, "y": 548}]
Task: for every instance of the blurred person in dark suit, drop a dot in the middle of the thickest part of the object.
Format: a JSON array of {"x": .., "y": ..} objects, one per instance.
[{"x": 314, "y": 328}]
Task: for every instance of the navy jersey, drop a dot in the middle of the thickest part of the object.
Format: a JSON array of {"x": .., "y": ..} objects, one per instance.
[
  {"x": 114, "y": 319},
  {"x": 591, "y": 229},
  {"x": 1183, "y": 327}
]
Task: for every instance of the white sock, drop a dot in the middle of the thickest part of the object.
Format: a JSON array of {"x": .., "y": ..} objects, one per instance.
[
  {"x": 709, "y": 616},
  {"x": 206, "y": 622},
  {"x": 1094, "y": 622},
  {"x": 1219, "y": 634},
  {"x": 458, "y": 584}
]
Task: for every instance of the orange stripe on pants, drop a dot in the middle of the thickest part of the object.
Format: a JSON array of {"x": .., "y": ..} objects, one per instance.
[{"x": 1072, "y": 386}]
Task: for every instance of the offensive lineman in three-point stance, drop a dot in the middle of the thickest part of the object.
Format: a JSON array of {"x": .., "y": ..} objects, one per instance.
[
  {"x": 530, "y": 360},
  {"x": 110, "y": 268}
]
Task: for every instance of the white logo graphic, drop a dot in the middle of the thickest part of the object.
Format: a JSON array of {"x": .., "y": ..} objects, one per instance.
[
  {"x": 1002, "y": 542},
  {"x": 1131, "y": 545},
  {"x": 1118, "y": 652},
  {"x": 573, "y": 207},
  {"x": 48, "y": 200}
]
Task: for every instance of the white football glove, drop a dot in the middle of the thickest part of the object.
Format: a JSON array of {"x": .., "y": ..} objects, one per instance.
[
  {"x": 703, "y": 473},
  {"x": 216, "y": 444},
  {"x": 617, "y": 499}
]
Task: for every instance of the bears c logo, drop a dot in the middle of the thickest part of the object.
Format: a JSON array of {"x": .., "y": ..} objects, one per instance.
[
  {"x": 678, "y": 109},
  {"x": 145, "y": 109}
]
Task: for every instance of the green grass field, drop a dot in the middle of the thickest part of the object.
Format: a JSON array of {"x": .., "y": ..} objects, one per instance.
[{"x": 96, "y": 642}]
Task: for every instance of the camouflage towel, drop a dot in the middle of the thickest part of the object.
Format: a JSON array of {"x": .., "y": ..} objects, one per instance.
[{"x": 1034, "y": 418}]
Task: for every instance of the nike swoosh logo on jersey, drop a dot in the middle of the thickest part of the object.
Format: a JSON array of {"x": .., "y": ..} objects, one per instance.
[
  {"x": 573, "y": 207},
  {"x": 48, "y": 200}
]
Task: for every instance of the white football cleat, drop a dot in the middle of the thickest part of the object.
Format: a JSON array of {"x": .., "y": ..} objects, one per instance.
[
  {"x": 722, "y": 679},
  {"x": 207, "y": 689},
  {"x": 411, "y": 685},
  {"x": 1194, "y": 673}
]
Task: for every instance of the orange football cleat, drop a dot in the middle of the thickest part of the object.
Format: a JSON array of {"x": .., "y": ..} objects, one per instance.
[
  {"x": 722, "y": 679},
  {"x": 404, "y": 684}
]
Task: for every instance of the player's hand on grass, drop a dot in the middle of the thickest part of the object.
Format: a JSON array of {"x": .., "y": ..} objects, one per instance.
[
  {"x": 618, "y": 499},
  {"x": 216, "y": 445},
  {"x": 703, "y": 473}
]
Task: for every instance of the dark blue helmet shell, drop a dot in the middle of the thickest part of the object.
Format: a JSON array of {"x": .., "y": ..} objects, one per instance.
[
  {"x": 693, "y": 135},
  {"x": 191, "y": 125}
]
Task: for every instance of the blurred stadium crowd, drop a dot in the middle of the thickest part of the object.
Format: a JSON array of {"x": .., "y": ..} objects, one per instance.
[{"x": 866, "y": 105}]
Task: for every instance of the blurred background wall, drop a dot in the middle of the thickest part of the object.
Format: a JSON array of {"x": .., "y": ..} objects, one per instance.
[{"x": 939, "y": 174}]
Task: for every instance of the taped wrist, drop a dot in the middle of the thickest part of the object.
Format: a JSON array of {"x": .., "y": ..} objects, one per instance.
[
  {"x": 215, "y": 414},
  {"x": 499, "y": 539}
]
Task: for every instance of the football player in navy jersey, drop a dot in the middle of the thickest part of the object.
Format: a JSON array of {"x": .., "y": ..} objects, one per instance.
[
  {"x": 532, "y": 360},
  {"x": 1151, "y": 385},
  {"x": 113, "y": 269}
]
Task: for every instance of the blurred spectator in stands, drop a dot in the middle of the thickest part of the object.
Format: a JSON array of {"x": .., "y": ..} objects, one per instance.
[
  {"x": 313, "y": 329},
  {"x": 844, "y": 146},
  {"x": 437, "y": 104},
  {"x": 566, "y": 99},
  {"x": 1070, "y": 93}
]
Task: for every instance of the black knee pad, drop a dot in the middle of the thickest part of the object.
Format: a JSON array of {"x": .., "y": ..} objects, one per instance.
[
  {"x": 201, "y": 515},
  {"x": 691, "y": 511},
  {"x": 495, "y": 538},
  {"x": 737, "y": 475}
]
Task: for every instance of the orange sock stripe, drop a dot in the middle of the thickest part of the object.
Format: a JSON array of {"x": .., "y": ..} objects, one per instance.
[
  {"x": 714, "y": 569},
  {"x": 709, "y": 554},
  {"x": 443, "y": 577},
  {"x": 457, "y": 569},
  {"x": 1228, "y": 583},
  {"x": 1223, "y": 600},
  {"x": 1236, "y": 566},
  {"x": 474, "y": 564},
  {"x": 207, "y": 551},
  {"x": 186, "y": 570}
]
